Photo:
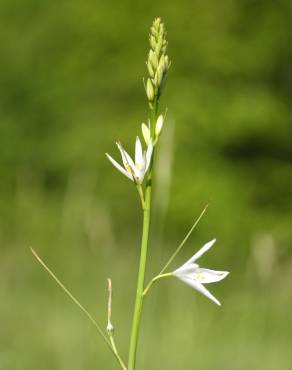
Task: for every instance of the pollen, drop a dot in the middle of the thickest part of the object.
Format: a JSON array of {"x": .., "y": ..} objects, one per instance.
[
  {"x": 129, "y": 169},
  {"x": 139, "y": 166},
  {"x": 199, "y": 276}
]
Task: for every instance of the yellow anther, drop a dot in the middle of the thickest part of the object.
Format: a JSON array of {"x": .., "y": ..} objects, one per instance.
[
  {"x": 129, "y": 169},
  {"x": 199, "y": 276},
  {"x": 139, "y": 166}
]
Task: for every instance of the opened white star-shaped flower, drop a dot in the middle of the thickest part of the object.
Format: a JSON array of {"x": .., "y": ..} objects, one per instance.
[
  {"x": 135, "y": 171},
  {"x": 195, "y": 276}
]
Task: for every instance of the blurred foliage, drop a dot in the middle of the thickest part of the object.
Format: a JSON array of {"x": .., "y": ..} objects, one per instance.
[{"x": 71, "y": 83}]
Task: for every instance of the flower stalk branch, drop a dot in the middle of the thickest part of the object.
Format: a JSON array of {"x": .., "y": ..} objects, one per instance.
[
  {"x": 185, "y": 239},
  {"x": 158, "y": 277},
  {"x": 110, "y": 327}
]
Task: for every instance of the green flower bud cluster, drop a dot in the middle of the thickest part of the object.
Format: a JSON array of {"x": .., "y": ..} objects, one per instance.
[{"x": 158, "y": 62}]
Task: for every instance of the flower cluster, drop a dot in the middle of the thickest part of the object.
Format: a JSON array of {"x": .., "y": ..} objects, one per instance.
[
  {"x": 157, "y": 62},
  {"x": 157, "y": 65}
]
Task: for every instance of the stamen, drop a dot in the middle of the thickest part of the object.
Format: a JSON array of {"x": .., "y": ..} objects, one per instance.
[
  {"x": 199, "y": 276},
  {"x": 129, "y": 169},
  {"x": 139, "y": 166}
]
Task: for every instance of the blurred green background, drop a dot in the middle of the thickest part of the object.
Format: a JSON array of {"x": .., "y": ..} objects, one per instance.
[{"x": 70, "y": 85}]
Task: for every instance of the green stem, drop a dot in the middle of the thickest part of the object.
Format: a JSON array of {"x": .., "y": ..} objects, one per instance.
[
  {"x": 184, "y": 241},
  {"x": 141, "y": 195},
  {"x": 140, "y": 283},
  {"x": 143, "y": 258},
  {"x": 158, "y": 277},
  {"x": 123, "y": 366}
]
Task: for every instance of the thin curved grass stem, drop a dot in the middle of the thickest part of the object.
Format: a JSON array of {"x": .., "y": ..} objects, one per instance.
[
  {"x": 82, "y": 308},
  {"x": 183, "y": 241},
  {"x": 158, "y": 277},
  {"x": 114, "y": 347}
]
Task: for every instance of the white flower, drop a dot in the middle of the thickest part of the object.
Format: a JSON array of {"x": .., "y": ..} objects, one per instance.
[
  {"x": 134, "y": 171},
  {"x": 195, "y": 276}
]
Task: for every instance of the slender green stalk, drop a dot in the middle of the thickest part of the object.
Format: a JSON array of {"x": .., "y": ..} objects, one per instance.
[
  {"x": 158, "y": 277},
  {"x": 140, "y": 191},
  {"x": 114, "y": 347},
  {"x": 140, "y": 283},
  {"x": 178, "y": 249},
  {"x": 143, "y": 258}
]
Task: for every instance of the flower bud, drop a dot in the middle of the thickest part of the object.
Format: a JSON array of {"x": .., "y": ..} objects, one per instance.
[
  {"x": 159, "y": 76},
  {"x": 153, "y": 31},
  {"x": 150, "y": 69},
  {"x": 161, "y": 63},
  {"x": 156, "y": 23},
  {"x": 150, "y": 55},
  {"x": 159, "y": 125},
  {"x": 152, "y": 42},
  {"x": 158, "y": 47},
  {"x": 146, "y": 133},
  {"x": 154, "y": 60},
  {"x": 149, "y": 90},
  {"x": 110, "y": 328},
  {"x": 155, "y": 79},
  {"x": 166, "y": 62}
]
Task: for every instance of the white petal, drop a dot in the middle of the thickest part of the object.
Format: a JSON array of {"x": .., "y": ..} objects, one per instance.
[
  {"x": 200, "y": 252},
  {"x": 146, "y": 133},
  {"x": 127, "y": 160},
  {"x": 119, "y": 167},
  {"x": 138, "y": 152},
  {"x": 148, "y": 155},
  {"x": 200, "y": 288},
  {"x": 186, "y": 270},
  {"x": 206, "y": 276},
  {"x": 109, "y": 327},
  {"x": 141, "y": 169}
]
